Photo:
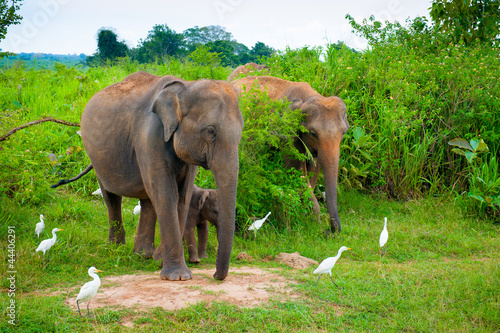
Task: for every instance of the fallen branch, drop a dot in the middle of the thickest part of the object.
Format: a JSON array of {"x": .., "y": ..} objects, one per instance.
[{"x": 31, "y": 123}]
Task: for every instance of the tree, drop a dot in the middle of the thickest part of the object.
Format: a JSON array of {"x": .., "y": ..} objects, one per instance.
[
  {"x": 108, "y": 47},
  {"x": 225, "y": 50},
  {"x": 8, "y": 15},
  {"x": 200, "y": 36},
  {"x": 468, "y": 20},
  {"x": 161, "y": 42},
  {"x": 260, "y": 50}
]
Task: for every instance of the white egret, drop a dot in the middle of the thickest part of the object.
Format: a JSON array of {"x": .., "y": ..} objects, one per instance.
[
  {"x": 89, "y": 289},
  {"x": 40, "y": 226},
  {"x": 97, "y": 192},
  {"x": 137, "y": 209},
  {"x": 46, "y": 244},
  {"x": 257, "y": 224},
  {"x": 384, "y": 235},
  {"x": 327, "y": 264}
]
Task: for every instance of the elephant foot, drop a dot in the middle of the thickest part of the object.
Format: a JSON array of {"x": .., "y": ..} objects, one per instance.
[
  {"x": 146, "y": 251},
  {"x": 176, "y": 274},
  {"x": 203, "y": 255},
  {"x": 117, "y": 241},
  {"x": 194, "y": 260}
]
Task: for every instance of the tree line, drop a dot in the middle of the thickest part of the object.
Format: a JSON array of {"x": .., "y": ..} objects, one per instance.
[{"x": 162, "y": 42}]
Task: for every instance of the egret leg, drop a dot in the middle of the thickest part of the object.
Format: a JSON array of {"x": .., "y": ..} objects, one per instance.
[
  {"x": 333, "y": 282},
  {"x": 78, "y": 306},
  {"x": 88, "y": 311},
  {"x": 318, "y": 279}
]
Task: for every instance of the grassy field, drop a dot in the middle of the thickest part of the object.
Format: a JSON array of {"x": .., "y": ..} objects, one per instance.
[
  {"x": 440, "y": 274},
  {"x": 441, "y": 271}
]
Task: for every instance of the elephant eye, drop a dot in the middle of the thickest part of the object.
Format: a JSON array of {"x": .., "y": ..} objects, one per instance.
[
  {"x": 210, "y": 132},
  {"x": 313, "y": 133}
]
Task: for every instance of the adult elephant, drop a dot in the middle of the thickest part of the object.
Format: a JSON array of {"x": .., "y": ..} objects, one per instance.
[
  {"x": 146, "y": 137},
  {"x": 326, "y": 122}
]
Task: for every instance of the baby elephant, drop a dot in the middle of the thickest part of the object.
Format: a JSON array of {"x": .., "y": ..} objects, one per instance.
[{"x": 204, "y": 207}]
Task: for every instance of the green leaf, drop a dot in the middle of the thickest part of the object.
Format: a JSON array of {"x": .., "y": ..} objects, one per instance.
[
  {"x": 482, "y": 147},
  {"x": 358, "y": 133},
  {"x": 462, "y": 143},
  {"x": 470, "y": 156},
  {"x": 458, "y": 151}
]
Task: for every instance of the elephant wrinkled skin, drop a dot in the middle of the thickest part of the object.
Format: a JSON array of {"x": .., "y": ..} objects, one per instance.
[
  {"x": 146, "y": 137},
  {"x": 326, "y": 122}
]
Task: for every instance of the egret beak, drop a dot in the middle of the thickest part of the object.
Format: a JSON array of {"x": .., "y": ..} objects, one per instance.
[
  {"x": 349, "y": 248},
  {"x": 98, "y": 270},
  {"x": 60, "y": 229}
]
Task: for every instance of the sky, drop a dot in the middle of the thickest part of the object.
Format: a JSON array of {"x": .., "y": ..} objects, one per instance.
[{"x": 70, "y": 26}]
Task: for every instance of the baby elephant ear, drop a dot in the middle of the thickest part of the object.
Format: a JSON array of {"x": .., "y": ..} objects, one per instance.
[
  {"x": 202, "y": 199},
  {"x": 166, "y": 106}
]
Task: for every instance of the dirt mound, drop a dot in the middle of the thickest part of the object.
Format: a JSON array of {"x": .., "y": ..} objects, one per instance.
[
  {"x": 244, "y": 286},
  {"x": 295, "y": 260}
]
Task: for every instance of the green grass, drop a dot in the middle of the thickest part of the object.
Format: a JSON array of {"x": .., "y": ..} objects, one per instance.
[{"x": 440, "y": 274}]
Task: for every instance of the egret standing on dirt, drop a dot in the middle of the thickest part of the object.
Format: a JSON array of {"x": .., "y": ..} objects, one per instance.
[
  {"x": 89, "y": 289},
  {"x": 45, "y": 245},
  {"x": 327, "y": 265},
  {"x": 40, "y": 226},
  {"x": 384, "y": 236},
  {"x": 257, "y": 224}
]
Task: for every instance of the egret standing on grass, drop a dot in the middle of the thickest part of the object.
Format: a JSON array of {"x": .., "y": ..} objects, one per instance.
[
  {"x": 257, "y": 224},
  {"x": 384, "y": 235},
  {"x": 45, "y": 245},
  {"x": 327, "y": 265},
  {"x": 40, "y": 226},
  {"x": 137, "y": 209},
  {"x": 89, "y": 289},
  {"x": 97, "y": 192}
]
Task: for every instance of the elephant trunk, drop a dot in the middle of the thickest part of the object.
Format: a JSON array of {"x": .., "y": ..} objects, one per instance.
[
  {"x": 226, "y": 178},
  {"x": 328, "y": 157}
]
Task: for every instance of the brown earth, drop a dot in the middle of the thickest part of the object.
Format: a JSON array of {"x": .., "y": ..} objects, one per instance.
[{"x": 244, "y": 286}]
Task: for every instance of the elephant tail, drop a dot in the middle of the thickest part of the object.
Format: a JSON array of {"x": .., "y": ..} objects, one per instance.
[{"x": 80, "y": 175}]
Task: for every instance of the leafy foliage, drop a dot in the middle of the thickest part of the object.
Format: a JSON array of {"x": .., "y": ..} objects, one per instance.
[
  {"x": 484, "y": 175},
  {"x": 9, "y": 15},
  {"x": 108, "y": 47},
  {"x": 264, "y": 183},
  {"x": 469, "y": 21}
]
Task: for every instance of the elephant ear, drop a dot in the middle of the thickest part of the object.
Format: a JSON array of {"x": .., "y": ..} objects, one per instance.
[
  {"x": 202, "y": 199},
  {"x": 296, "y": 104},
  {"x": 166, "y": 106}
]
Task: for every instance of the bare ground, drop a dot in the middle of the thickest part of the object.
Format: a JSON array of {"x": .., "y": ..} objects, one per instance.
[{"x": 244, "y": 286}]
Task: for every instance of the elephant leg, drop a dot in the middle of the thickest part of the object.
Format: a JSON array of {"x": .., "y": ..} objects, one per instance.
[
  {"x": 145, "y": 233},
  {"x": 114, "y": 205},
  {"x": 171, "y": 201},
  {"x": 202, "y": 239},
  {"x": 190, "y": 239}
]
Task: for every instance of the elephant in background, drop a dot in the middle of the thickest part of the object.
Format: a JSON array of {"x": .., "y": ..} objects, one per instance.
[
  {"x": 204, "y": 208},
  {"x": 326, "y": 122},
  {"x": 146, "y": 137},
  {"x": 245, "y": 69}
]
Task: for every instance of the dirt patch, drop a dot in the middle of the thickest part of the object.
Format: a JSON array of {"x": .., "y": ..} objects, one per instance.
[
  {"x": 295, "y": 260},
  {"x": 244, "y": 286}
]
